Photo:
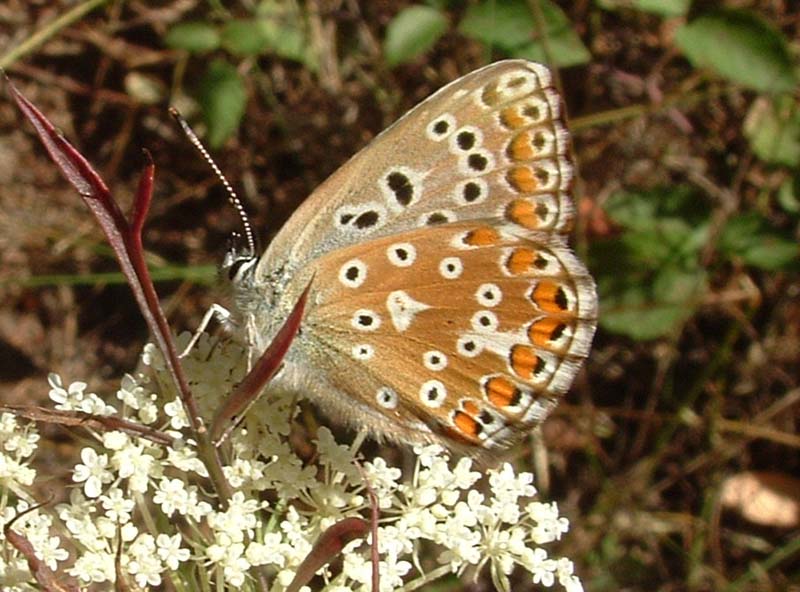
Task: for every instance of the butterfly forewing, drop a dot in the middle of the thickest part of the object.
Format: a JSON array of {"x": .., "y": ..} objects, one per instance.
[
  {"x": 445, "y": 304},
  {"x": 497, "y": 127}
]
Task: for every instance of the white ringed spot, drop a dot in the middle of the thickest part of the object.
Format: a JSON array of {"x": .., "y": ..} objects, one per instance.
[
  {"x": 489, "y": 295},
  {"x": 362, "y": 219},
  {"x": 434, "y": 360},
  {"x": 471, "y": 191},
  {"x": 476, "y": 162},
  {"x": 386, "y": 398},
  {"x": 432, "y": 393},
  {"x": 451, "y": 268},
  {"x": 365, "y": 319},
  {"x": 353, "y": 273},
  {"x": 436, "y": 217},
  {"x": 465, "y": 139},
  {"x": 469, "y": 346},
  {"x": 362, "y": 351},
  {"x": 401, "y": 187},
  {"x": 401, "y": 254},
  {"x": 515, "y": 85},
  {"x": 484, "y": 321},
  {"x": 441, "y": 127}
]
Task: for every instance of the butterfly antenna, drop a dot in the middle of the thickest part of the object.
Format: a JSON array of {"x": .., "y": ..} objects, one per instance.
[{"x": 233, "y": 199}]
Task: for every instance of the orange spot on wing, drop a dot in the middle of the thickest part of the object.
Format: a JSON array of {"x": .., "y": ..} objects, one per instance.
[
  {"x": 467, "y": 425},
  {"x": 524, "y": 361},
  {"x": 482, "y": 237},
  {"x": 523, "y": 212},
  {"x": 456, "y": 435},
  {"x": 522, "y": 179},
  {"x": 470, "y": 407},
  {"x": 544, "y": 330},
  {"x": 549, "y": 297},
  {"x": 501, "y": 392},
  {"x": 511, "y": 118},
  {"x": 523, "y": 260},
  {"x": 521, "y": 147}
]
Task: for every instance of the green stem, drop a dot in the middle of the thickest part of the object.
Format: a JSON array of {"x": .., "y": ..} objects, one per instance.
[
  {"x": 48, "y": 31},
  {"x": 435, "y": 574}
]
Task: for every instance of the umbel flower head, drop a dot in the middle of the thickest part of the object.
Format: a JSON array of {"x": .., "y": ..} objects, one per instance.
[{"x": 143, "y": 511}]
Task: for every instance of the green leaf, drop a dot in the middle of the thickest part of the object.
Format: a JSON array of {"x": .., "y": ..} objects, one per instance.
[
  {"x": 749, "y": 237},
  {"x": 507, "y": 25},
  {"x": 243, "y": 37},
  {"x": 649, "y": 278},
  {"x": 195, "y": 37},
  {"x": 653, "y": 306},
  {"x": 223, "y": 98},
  {"x": 789, "y": 195},
  {"x": 664, "y": 7},
  {"x": 510, "y": 26},
  {"x": 283, "y": 29},
  {"x": 741, "y": 47},
  {"x": 645, "y": 211},
  {"x": 773, "y": 128},
  {"x": 413, "y": 32}
]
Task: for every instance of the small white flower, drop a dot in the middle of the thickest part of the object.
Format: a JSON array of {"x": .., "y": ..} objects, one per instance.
[
  {"x": 93, "y": 472},
  {"x": 94, "y": 567},
  {"x": 118, "y": 508},
  {"x": 177, "y": 415},
  {"x": 229, "y": 555},
  {"x": 133, "y": 462},
  {"x": 170, "y": 550},
  {"x": 50, "y": 552},
  {"x": 171, "y": 495},
  {"x": 266, "y": 553},
  {"x": 74, "y": 397},
  {"x": 144, "y": 563}
]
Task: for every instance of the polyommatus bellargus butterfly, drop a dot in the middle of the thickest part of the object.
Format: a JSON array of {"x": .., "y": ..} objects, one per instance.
[{"x": 445, "y": 304}]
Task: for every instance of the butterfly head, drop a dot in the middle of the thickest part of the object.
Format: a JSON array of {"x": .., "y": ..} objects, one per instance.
[{"x": 240, "y": 262}]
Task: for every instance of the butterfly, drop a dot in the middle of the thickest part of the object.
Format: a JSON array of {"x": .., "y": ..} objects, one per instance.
[{"x": 445, "y": 304}]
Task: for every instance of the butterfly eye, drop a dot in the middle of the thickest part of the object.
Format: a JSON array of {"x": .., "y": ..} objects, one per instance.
[{"x": 240, "y": 268}]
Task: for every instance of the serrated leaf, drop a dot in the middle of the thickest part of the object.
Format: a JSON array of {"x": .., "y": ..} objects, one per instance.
[
  {"x": 223, "y": 98},
  {"x": 195, "y": 37},
  {"x": 413, "y": 32},
  {"x": 741, "y": 47},
  {"x": 773, "y": 128},
  {"x": 244, "y": 37},
  {"x": 510, "y": 26},
  {"x": 750, "y": 238}
]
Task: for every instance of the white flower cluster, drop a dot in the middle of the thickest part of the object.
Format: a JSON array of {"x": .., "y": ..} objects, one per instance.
[{"x": 149, "y": 508}]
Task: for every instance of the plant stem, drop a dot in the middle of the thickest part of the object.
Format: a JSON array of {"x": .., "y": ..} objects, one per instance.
[{"x": 48, "y": 31}]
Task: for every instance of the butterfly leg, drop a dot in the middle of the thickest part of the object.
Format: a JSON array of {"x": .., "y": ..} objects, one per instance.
[{"x": 215, "y": 311}]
